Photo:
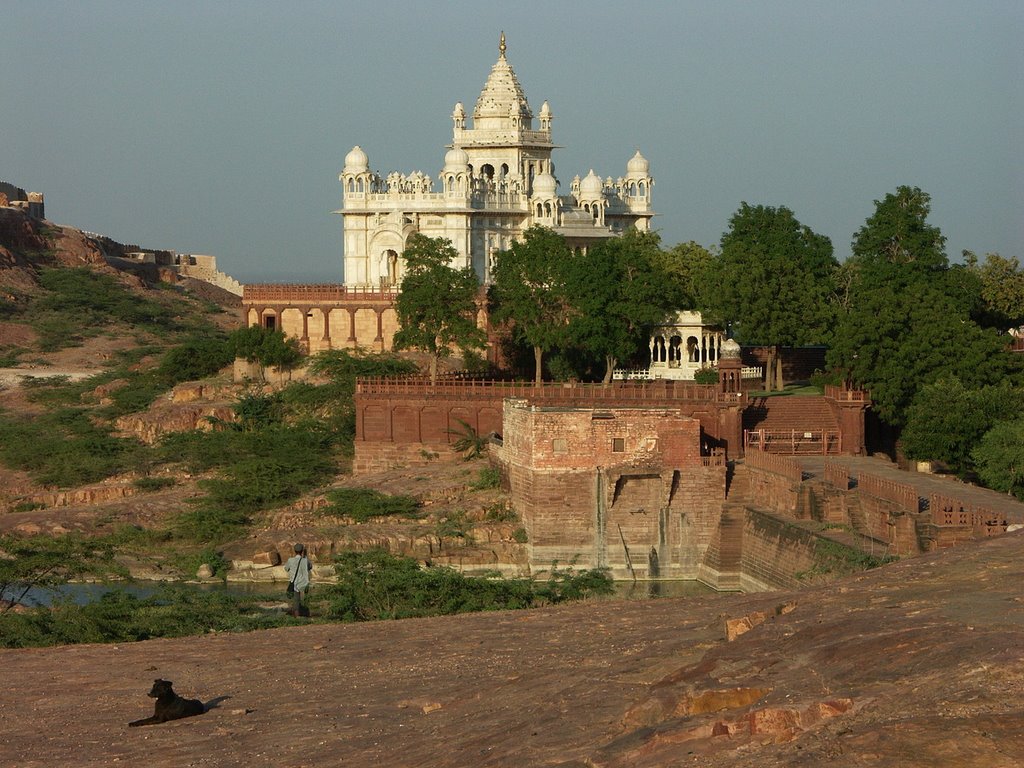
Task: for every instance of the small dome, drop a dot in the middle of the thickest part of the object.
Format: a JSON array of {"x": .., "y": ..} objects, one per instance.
[
  {"x": 545, "y": 110},
  {"x": 356, "y": 161},
  {"x": 730, "y": 349},
  {"x": 638, "y": 165},
  {"x": 459, "y": 111},
  {"x": 456, "y": 159},
  {"x": 591, "y": 185},
  {"x": 544, "y": 185}
]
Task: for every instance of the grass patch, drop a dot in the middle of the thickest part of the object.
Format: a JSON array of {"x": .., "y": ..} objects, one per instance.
[
  {"x": 150, "y": 484},
  {"x": 488, "y": 478}
]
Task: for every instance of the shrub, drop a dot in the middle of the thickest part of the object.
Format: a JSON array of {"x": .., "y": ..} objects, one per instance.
[
  {"x": 378, "y": 585},
  {"x": 456, "y": 525},
  {"x": 706, "y": 376},
  {"x": 500, "y": 512},
  {"x": 520, "y": 536},
  {"x": 363, "y": 504},
  {"x": 489, "y": 477}
]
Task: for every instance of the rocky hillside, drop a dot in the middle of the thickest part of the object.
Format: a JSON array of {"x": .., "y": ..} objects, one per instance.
[{"x": 919, "y": 663}]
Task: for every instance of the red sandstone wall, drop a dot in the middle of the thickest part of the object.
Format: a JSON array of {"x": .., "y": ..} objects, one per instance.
[
  {"x": 774, "y": 552},
  {"x": 649, "y": 509}
]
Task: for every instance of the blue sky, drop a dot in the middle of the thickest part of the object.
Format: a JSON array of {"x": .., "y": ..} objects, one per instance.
[{"x": 221, "y": 127}]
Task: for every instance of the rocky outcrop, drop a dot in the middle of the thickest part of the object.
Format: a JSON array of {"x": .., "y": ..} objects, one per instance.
[{"x": 150, "y": 425}]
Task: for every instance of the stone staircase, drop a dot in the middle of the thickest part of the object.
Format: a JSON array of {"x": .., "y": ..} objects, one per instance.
[{"x": 787, "y": 421}]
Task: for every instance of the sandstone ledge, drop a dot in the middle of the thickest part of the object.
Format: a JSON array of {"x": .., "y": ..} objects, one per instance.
[{"x": 920, "y": 663}]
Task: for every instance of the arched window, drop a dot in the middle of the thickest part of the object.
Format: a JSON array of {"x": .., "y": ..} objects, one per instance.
[
  {"x": 487, "y": 171},
  {"x": 504, "y": 170},
  {"x": 540, "y": 210},
  {"x": 642, "y": 186},
  {"x": 547, "y": 210},
  {"x": 351, "y": 185},
  {"x": 632, "y": 189},
  {"x": 359, "y": 185}
]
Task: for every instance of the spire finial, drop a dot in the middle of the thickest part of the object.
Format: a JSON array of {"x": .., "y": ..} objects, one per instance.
[{"x": 501, "y": 45}]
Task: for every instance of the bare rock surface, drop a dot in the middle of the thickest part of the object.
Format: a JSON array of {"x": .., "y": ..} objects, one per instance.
[{"x": 920, "y": 663}]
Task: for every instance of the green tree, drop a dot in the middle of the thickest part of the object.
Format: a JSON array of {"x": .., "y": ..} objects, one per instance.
[
  {"x": 47, "y": 562},
  {"x": 908, "y": 321},
  {"x": 618, "y": 289},
  {"x": 690, "y": 269},
  {"x": 946, "y": 420},
  {"x": 265, "y": 347},
  {"x": 774, "y": 280},
  {"x": 529, "y": 291},
  {"x": 1002, "y": 288},
  {"x": 999, "y": 458},
  {"x": 437, "y": 305}
]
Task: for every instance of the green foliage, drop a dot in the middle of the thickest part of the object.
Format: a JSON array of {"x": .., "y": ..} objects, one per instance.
[
  {"x": 946, "y": 420},
  {"x": 364, "y": 504},
  {"x": 255, "y": 411},
  {"x": 706, "y": 376},
  {"x": 489, "y": 477},
  {"x": 834, "y": 560},
  {"x": 188, "y": 563},
  {"x": 150, "y": 484},
  {"x": 197, "y": 357},
  {"x": 1001, "y": 288},
  {"x": 455, "y": 525},
  {"x": 344, "y": 365},
  {"x": 689, "y": 267},
  {"x": 378, "y": 585},
  {"x": 259, "y": 470},
  {"x": 470, "y": 444},
  {"x": 500, "y": 512},
  {"x": 616, "y": 291},
  {"x": 773, "y": 278},
  {"x": 437, "y": 305},
  {"x": 529, "y": 292},
  {"x": 570, "y": 585},
  {"x": 520, "y": 536},
  {"x": 45, "y": 562},
  {"x": 64, "y": 448},
  {"x": 119, "y": 617},
  {"x": 80, "y": 301},
  {"x": 265, "y": 346},
  {"x": 908, "y": 321},
  {"x": 999, "y": 457}
]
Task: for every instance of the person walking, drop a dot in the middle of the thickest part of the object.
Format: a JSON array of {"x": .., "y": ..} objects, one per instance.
[{"x": 299, "y": 571}]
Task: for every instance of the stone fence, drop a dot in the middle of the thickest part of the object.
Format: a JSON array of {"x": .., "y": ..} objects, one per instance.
[
  {"x": 779, "y": 465},
  {"x": 314, "y": 293},
  {"x": 582, "y": 394},
  {"x": 901, "y": 494},
  {"x": 950, "y": 511},
  {"x": 837, "y": 475}
]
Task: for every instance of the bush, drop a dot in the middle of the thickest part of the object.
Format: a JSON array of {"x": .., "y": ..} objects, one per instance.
[
  {"x": 363, "y": 504},
  {"x": 64, "y": 448},
  {"x": 488, "y": 478},
  {"x": 706, "y": 376},
  {"x": 119, "y": 617},
  {"x": 378, "y": 585}
]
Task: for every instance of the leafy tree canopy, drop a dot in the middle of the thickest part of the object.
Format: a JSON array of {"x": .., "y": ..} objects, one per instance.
[
  {"x": 437, "y": 305},
  {"x": 947, "y": 420},
  {"x": 529, "y": 290},
  {"x": 908, "y": 316},
  {"x": 619, "y": 290},
  {"x": 265, "y": 346},
  {"x": 774, "y": 278},
  {"x": 1001, "y": 288},
  {"x": 999, "y": 458},
  {"x": 898, "y": 233},
  {"x": 689, "y": 268}
]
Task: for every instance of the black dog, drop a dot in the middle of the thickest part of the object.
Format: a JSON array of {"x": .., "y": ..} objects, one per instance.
[{"x": 169, "y": 705}]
